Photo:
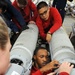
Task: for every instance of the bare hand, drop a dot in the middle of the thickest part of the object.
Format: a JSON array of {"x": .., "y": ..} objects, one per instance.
[
  {"x": 48, "y": 37},
  {"x": 50, "y": 66},
  {"x": 65, "y": 67},
  {"x": 32, "y": 22}
]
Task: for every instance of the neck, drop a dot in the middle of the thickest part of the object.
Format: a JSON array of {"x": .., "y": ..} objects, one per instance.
[{"x": 36, "y": 65}]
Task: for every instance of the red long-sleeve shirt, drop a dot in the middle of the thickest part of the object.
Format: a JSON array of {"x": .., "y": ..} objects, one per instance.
[
  {"x": 54, "y": 22},
  {"x": 36, "y": 71},
  {"x": 29, "y": 12}
]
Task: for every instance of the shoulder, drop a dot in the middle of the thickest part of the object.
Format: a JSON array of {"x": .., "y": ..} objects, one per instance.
[
  {"x": 14, "y": 3},
  {"x": 29, "y": 1},
  {"x": 53, "y": 9}
]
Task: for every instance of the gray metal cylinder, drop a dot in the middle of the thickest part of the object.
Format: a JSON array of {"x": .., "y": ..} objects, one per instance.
[
  {"x": 61, "y": 48},
  {"x": 24, "y": 46}
]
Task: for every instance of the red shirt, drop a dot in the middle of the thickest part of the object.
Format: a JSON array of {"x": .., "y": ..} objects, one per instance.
[
  {"x": 29, "y": 12},
  {"x": 36, "y": 71},
  {"x": 54, "y": 22}
]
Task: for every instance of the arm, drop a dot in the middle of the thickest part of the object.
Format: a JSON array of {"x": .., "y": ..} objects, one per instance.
[
  {"x": 33, "y": 9},
  {"x": 17, "y": 15},
  {"x": 47, "y": 68},
  {"x": 57, "y": 21},
  {"x": 40, "y": 27},
  {"x": 65, "y": 68}
]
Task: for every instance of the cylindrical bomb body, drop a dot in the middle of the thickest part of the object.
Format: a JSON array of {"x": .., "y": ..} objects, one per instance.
[
  {"x": 61, "y": 48},
  {"x": 22, "y": 51}
]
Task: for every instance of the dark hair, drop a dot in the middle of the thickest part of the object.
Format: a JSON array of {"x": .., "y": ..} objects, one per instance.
[
  {"x": 42, "y": 4},
  {"x": 3, "y": 5},
  {"x": 23, "y": 2},
  {"x": 37, "y": 49}
]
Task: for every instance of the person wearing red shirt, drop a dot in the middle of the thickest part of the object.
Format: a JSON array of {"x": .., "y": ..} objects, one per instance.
[
  {"x": 48, "y": 20},
  {"x": 28, "y": 10},
  {"x": 42, "y": 66}
]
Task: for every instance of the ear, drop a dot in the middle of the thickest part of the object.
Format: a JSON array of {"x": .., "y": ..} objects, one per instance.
[{"x": 34, "y": 57}]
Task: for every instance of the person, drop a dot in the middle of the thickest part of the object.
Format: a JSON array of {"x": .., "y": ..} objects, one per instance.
[
  {"x": 8, "y": 15},
  {"x": 5, "y": 47},
  {"x": 60, "y": 5},
  {"x": 27, "y": 9},
  {"x": 11, "y": 25},
  {"x": 41, "y": 65},
  {"x": 48, "y": 20},
  {"x": 7, "y": 11},
  {"x": 66, "y": 68}
]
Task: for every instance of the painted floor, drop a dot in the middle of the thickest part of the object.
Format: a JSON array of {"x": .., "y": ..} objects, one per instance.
[{"x": 67, "y": 24}]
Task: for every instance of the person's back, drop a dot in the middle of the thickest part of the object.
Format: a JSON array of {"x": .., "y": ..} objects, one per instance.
[{"x": 27, "y": 9}]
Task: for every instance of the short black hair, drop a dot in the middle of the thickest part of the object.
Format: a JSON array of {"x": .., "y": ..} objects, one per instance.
[
  {"x": 23, "y": 2},
  {"x": 3, "y": 5},
  {"x": 42, "y": 4},
  {"x": 37, "y": 49}
]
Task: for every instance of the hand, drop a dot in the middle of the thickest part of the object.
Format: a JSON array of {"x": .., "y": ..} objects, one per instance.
[
  {"x": 65, "y": 67},
  {"x": 54, "y": 64},
  {"x": 32, "y": 22},
  {"x": 50, "y": 66},
  {"x": 48, "y": 37}
]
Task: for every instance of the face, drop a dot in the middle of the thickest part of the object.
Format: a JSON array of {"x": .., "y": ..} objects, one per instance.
[
  {"x": 44, "y": 13},
  {"x": 5, "y": 58},
  {"x": 41, "y": 58},
  {"x": 20, "y": 5}
]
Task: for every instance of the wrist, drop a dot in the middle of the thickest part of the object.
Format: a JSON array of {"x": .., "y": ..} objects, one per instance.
[
  {"x": 42, "y": 70},
  {"x": 49, "y": 33}
]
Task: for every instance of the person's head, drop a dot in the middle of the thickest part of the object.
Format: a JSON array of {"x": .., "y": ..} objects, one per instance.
[
  {"x": 21, "y": 3},
  {"x": 43, "y": 10},
  {"x": 3, "y": 6},
  {"x": 4, "y": 48},
  {"x": 40, "y": 57}
]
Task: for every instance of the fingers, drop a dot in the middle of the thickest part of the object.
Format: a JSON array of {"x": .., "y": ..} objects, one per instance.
[
  {"x": 68, "y": 64},
  {"x": 66, "y": 67},
  {"x": 55, "y": 64}
]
